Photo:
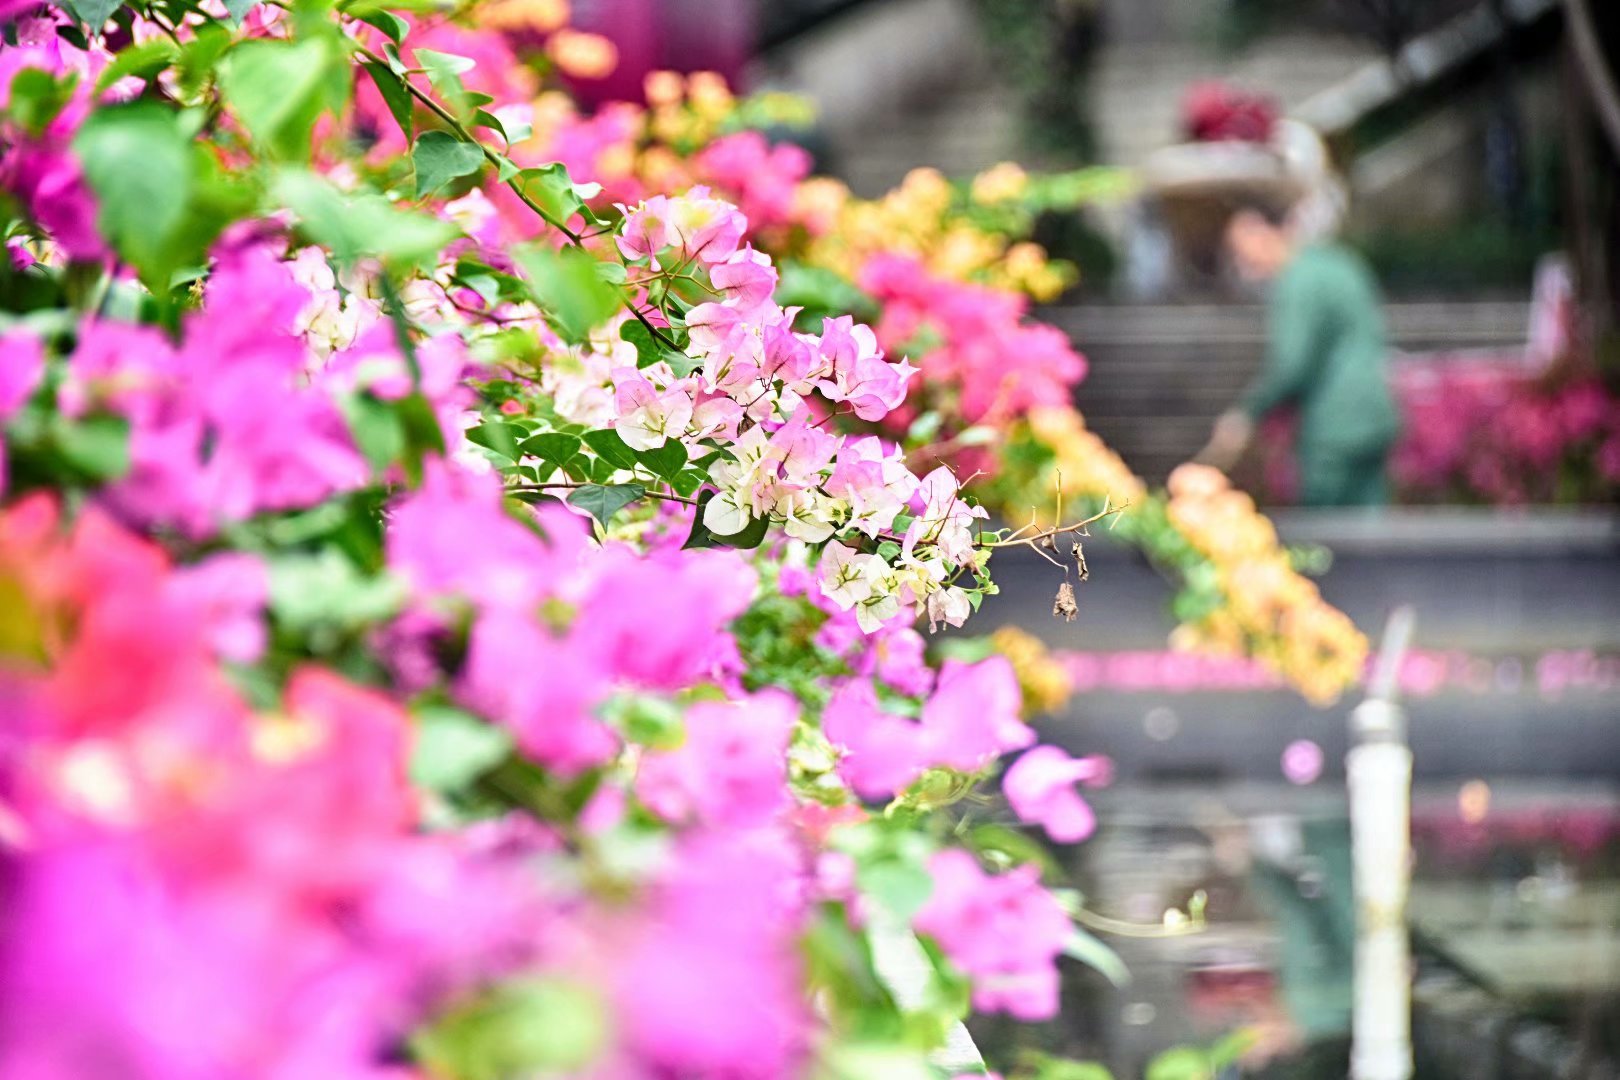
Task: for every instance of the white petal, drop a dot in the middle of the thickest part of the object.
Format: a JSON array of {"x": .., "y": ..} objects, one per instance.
[{"x": 723, "y": 516}]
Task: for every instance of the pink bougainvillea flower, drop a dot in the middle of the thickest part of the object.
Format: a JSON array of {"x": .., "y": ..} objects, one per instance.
[
  {"x": 1040, "y": 787},
  {"x": 656, "y": 621},
  {"x": 761, "y": 177},
  {"x": 728, "y": 909},
  {"x": 1002, "y": 366},
  {"x": 1005, "y": 931},
  {"x": 883, "y": 753},
  {"x": 22, "y": 362},
  {"x": 455, "y": 537},
  {"x": 973, "y": 716},
  {"x": 747, "y": 279},
  {"x": 1302, "y": 761},
  {"x": 731, "y": 770},
  {"x": 542, "y": 687},
  {"x": 229, "y": 591}
]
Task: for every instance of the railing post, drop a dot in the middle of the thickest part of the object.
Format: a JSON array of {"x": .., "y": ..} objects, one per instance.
[{"x": 1379, "y": 778}]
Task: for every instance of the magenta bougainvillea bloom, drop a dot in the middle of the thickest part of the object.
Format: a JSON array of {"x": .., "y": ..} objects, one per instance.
[
  {"x": 882, "y": 753},
  {"x": 1302, "y": 762},
  {"x": 1003, "y": 930},
  {"x": 973, "y": 715},
  {"x": 731, "y": 768},
  {"x": 22, "y": 363},
  {"x": 1040, "y": 785},
  {"x": 451, "y": 626}
]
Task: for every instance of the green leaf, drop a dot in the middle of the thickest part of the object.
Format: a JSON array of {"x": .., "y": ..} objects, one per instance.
[
  {"x": 376, "y": 427},
  {"x": 278, "y": 89},
  {"x": 490, "y": 120},
  {"x": 422, "y": 433},
  {"x": 611, "y": 448},
  {"x": 689, "y": 480},
  {"x": 747, "y": 539},
  {"x": 700, "y": 536},
  {"x": 1051, "y": 1068},
  {"x": 537, "y": 1027},
  {"x": 37, "y": 97},
  {"x": 1232, "y": 1046},
  {"x": 653, "y": 722},
  {"x": 566, "y": 285},
  {"x": 394, "y": 95},
  {"x": 554, "y": 446},
  {"x": 326, "y": 592},
  {"x": 1180, "y": 1063},
  {"x": 602, "y": 501},
  {"x": 901, "y": 886},
  {"x": 554, "y": 191},
  {"x": 440, "y": 157},
  {"x": 873, "y": 1061},
  {"x": 94, "y": 13},
  {"x": 357, "y": 8},
  {"x": 1085, "y": 948},
  {"x": 1008, "y": 847},
  {"x": 140, "y": 165},
  {"x": 444, "y": 71},
  {"x": 665, "y": 461},
  {"x": 96, "y": 446},
  {"x": 453, "y": 748},
  {"x": 198, "y": 57},
  {"x": 500, "y": 437},
  {"x": 441, "y": 64},
  {"x": 648, "y": 351},
  {"x": 238, "y": 9},
  {"x": 820, "y": 291},
  {"x": 392, "y": 26},
  {"x": 354, "y": 226},
  {"x": 142, "y": 60},
  {"x": 681, "y": 364}
]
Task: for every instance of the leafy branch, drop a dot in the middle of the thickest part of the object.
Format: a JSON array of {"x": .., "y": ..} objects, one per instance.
[{"x": 502, "y": 166}]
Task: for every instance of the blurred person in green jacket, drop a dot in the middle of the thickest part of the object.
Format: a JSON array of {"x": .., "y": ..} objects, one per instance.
[{"x": 1326, "y": 354}]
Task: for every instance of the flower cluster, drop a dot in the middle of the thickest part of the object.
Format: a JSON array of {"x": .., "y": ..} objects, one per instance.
[
  {"x": 1271, "y": 610},
  {"x": 751, "y": 381},
  {"x": 1241, "y": 593},
  {"x": 431, "y": 633},
  {"x": 1482, "y": 431},
  {"x": 694, "y": 131},
  {"x": 1214, "y": 111},
  {"x": 947, "y": 283},
  {"x": 171, "y": 851},
  {"x": 996, "y": 366},
  {"x": 1485, "y": 432}
]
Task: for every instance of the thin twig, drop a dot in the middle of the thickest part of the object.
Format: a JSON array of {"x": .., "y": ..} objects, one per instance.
[{"x": 1061, "y": 530}]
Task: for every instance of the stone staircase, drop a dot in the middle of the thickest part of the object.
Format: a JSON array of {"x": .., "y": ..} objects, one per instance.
[
  {"x": 959, "y": 115},
  {"x": 1159, "y": 374}
]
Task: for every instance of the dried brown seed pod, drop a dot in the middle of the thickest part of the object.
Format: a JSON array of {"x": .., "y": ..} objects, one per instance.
[{"x": 1064, "y": 606}]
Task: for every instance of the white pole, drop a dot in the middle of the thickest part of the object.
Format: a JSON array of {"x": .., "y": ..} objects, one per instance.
[{"x": 1378, "y": 772}]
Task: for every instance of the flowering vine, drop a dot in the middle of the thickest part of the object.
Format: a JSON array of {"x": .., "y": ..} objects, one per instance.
[{"x": 444, "y": 610}]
